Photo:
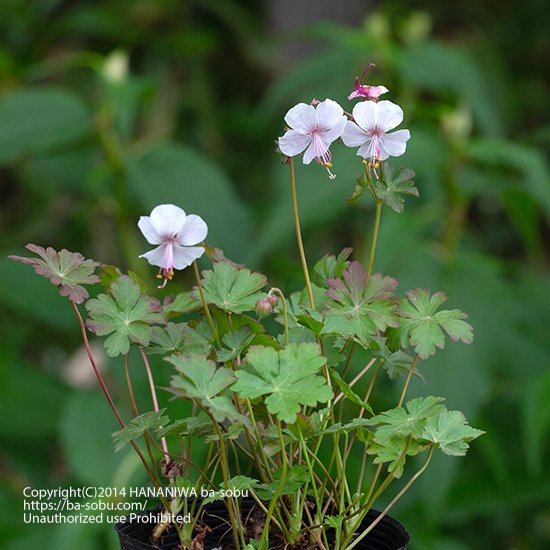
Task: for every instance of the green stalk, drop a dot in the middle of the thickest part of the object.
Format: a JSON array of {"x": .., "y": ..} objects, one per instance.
[
  {"x": 374, "y": 240},
  {"x": 205, "y": 305},
  {"x": 273, "y": 503},
  {"x": 276, "y": 290},
  {"x": 407, "y": 381},
  {"x": 299, "y": 232},
  {"x": 392, "y": 503},
  {"x": 235, "y": 528}
]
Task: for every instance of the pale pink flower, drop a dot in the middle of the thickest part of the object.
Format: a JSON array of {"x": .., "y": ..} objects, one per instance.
[
  {"x": 370, "y": 131},
  {"x": 367, "y": 92},
  {"x": 313, "y": 129},
  {"x": 169, "y": 227}
]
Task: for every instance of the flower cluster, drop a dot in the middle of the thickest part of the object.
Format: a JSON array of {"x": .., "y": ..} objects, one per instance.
[{"x": 313, "y": 128}]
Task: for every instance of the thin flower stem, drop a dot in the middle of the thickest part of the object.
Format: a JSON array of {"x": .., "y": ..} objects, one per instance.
[
  {"x": 278, "y": 291},
  {"x": 107, "y": 394},
  {"x": 146, "y": 435},
  {"x": 393, "y": 501},
  {"x": 225, "y": 473},
  {"x": 266, "y": 470},
  {"x": 129, "y": 384},
  {"x": 273, "y": 503},
  {"x": 205, "y": 305},
  {"x": 356, "y": 379},
  {"x": 373, "y": 482},
  {"x": 299, "y": 232},
  {"x": 377, "y": 216},
  {"x": 153, "y": 394},
  {"x": 350, "y": 357},
  {"x": 407, "y": 381}
]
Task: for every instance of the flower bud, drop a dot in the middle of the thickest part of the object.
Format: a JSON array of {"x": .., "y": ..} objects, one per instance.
[
  {"x": 264, "y": 307},
  {"x": 273, "y": 300}
]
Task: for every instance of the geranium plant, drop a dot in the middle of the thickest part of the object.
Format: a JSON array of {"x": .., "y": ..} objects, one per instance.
[{"x": 268, "y": 402}]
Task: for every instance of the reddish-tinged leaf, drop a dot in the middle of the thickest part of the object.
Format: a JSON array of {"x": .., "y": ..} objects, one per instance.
[
  {"x": 67, "y": 270},
  {"x": 359, "y": 308}
]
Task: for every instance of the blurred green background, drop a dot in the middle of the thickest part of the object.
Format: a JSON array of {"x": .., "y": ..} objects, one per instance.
[{"x": 109, "y": 107}]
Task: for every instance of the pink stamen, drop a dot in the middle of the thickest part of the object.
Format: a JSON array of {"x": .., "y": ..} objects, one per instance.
[{"x": 371, "y": 65}]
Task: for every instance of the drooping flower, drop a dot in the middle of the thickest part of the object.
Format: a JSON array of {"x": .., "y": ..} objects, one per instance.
[
  {"x": 370, "y": 130},
  {"x": 313, "y": 129},
  {"x": 176, "y": 234},
  {"x": 367, "y": 92}
]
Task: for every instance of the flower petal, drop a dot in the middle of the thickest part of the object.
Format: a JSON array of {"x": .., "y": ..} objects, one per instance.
[
  {"x": 309, "y": 155},
  {"x": 148, "y": 229},
  {"x": 293, "y": 143},
  {"x": 394, "y": 144},
  {"x": 377, "y": 91},
  {"x": 353, "y": 135},
  {"x": 167, "y": 219},
  {"x": 366, "y": 114},
  {"x": 329, "y": 114},
  {"x": 390, "y": 115},
  {"x": 335, "y": 132},
  {"x": 186, "y": 255},
  {"x": 157, "y": 255},
  {"x": 302, "y": 118},
  {"x": 193, "y": 230}
]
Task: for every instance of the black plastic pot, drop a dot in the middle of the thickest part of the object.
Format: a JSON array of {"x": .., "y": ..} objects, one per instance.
[{"x": 388, "y": 534}]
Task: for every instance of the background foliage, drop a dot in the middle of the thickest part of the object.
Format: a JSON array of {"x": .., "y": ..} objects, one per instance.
[{"x": 108, "y": 108}]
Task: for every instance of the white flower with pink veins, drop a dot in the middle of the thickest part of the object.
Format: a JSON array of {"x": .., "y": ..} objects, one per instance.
[
  {"x": 370, "y": 130},
  {"x": 176, "y": 234},
  {"x": 313, "y": 129}
]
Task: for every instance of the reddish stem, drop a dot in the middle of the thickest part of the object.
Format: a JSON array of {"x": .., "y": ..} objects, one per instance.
[{"x": 105, "y": 390}]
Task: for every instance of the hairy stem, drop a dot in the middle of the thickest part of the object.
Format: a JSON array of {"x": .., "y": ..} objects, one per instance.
[
  {"x": 299, "y": 232},
  {"x": 374, "y": 240},
  {"x": 392, "y": 503},
  {"x": 153, "y": 394},
  {"x": 106, "y": 391},
  {"x": 205, "y": 305},
  {"x": 407, "y": 381}
]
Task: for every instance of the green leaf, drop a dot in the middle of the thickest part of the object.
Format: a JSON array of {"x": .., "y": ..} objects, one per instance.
[
  {"x": 126, "y": 315},
  {"x": 396, "y": 363},
  {"x": 146, "y": 422},
  {"x": 185, "y": 302},
  {"x": 231, "y": 288},
  {"x": 422, "y": 325},
  {"x": 168, "y": 339},
  {"x": 199, "y": 425},
  {"x": 450, "y": 432},
  {"x": 410, "y": 422},
  {"x": 67, "y": 270},
  {"x": 287, "y": 377},
  {"x": 236, "y": 342},
  {"x": 38, "y": 119},
  {"x": 348, "y": 392},
  {"x": 296, "y": 477},
  {"x": 360, "y": 187},
  {"x": 237, "y": 483},
  {"x": 394, "y": 450},
  {"x": 359, "y": 309},
  {"x": 200, "y": 379},
  {"x": 392, "y": 185},
  {"x": 331, "y": 267},
  {"x": 357, "y": 424},
  {"x": 311, "y": 319}
]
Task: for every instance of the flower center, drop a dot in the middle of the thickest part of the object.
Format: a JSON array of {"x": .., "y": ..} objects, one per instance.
[
  {"x": 166, "y": 272},
  {"x": 321, "y": 150}
]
